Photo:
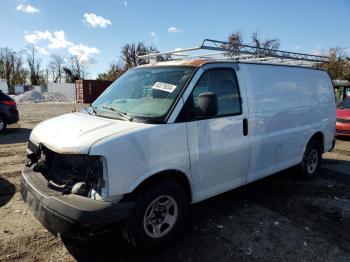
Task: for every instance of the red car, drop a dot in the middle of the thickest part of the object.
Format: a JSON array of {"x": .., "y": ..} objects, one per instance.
[{"x": 343, "y": 118}]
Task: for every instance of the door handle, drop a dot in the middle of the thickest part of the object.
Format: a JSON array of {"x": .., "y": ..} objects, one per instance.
[{"x": 245, "y": 127}]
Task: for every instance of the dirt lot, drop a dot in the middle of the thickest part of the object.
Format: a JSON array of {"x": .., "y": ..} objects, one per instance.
[{"x": 278, "y": 218}]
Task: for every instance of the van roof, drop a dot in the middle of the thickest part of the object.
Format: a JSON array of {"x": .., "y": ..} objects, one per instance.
[
  {"x": 200, "y": 62},
  {"x": 193, "y": 63}
]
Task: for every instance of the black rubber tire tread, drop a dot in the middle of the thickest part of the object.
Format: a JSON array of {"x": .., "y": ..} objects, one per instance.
[
  {"x": 5, "y": 124},
  {"x": 134, "y": 231},
  {"x": 313, "y": 144}
]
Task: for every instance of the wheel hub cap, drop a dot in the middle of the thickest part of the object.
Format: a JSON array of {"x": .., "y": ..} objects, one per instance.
[
  {"x": 160, "y": 216},
  {"x": 312, "y": 161}
]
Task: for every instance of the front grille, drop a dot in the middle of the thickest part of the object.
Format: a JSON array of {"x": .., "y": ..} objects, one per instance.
[
  {"x": 32, "y": 147},
  {"x": 63, "y": 171},
  {"x": 343, "y": 120}
]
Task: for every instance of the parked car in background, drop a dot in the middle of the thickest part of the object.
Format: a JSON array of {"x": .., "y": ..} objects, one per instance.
[
  {"x": 343, "y": 118},
  {"x": 8, "y": 111}
]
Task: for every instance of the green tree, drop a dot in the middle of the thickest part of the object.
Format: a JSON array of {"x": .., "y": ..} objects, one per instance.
[
  {"x": 114, "y": 72},
  {"x": 338, "y": 66},
  {"x": 128, "y": 59}
]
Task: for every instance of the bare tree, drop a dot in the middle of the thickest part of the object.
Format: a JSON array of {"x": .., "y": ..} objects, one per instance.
[
  {"x": 34, "y": 64},
  {"x": 77, "y": 67},
  {"x": 11, "y": 68},
  {"x": 235, "y": 41},
  {"x": 55, "y": 66},
  {"x": 271, "y": 44},
  {"x": 130, "y": 52}
]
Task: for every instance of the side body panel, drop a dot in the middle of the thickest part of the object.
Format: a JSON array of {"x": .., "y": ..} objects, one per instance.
[{"x": 282, "y": 118}]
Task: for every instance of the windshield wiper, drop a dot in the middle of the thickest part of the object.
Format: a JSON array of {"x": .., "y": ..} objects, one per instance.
[
  {"x": 122, "y": 115},
  {"x": 93, "y": 108}
]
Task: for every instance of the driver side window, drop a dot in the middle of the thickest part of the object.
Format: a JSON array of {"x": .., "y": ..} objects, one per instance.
[{"x": 222, "y": 82}]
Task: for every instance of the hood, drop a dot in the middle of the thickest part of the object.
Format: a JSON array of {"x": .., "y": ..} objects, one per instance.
[
  {"x": 75, "y": 133},
  {"x": 343, "y": 113}
]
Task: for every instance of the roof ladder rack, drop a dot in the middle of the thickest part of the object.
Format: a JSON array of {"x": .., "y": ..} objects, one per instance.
[{"x": 220, "y": 50}]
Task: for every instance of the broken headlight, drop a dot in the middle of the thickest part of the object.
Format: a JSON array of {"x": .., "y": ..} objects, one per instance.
[{"x": 72, "y": 173}]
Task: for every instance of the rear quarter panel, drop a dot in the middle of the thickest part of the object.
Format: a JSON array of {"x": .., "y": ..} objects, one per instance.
[
  {"x": 318, "y": 105},
  {"x": 287, "y": 105}
]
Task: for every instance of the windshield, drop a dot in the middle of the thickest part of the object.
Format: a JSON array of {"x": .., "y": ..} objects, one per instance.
[
  {"x": 345, "y": 104},
  {"x": 144, "y": 92}
]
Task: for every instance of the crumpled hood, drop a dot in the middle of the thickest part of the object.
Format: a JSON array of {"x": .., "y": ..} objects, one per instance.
[{"x": 76, "y": 132}]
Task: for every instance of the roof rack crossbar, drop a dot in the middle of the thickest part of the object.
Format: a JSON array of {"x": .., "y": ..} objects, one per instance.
[{"x": 237, "y": 52}]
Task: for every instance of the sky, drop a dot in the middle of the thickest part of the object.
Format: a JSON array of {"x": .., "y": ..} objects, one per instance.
[{"x": 95, "y": 30}]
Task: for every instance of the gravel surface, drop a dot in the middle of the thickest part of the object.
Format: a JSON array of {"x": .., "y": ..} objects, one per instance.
[
  {"x": 280, "y": 218},
  {"x": 34, "y": 96}
]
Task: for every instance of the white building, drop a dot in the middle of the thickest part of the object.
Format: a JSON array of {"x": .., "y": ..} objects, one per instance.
[{"x": 3, "y": 86}]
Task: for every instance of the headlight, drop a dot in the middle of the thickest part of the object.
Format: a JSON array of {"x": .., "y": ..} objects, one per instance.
[
  {"x": 95, "y": 196},
  {"x": 71, "y": 173}
]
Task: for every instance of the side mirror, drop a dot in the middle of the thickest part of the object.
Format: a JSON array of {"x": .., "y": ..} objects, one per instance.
[{"x": 208, "y": 104}]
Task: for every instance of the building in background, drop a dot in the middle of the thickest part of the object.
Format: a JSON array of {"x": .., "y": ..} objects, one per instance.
[
  {"x": 88, "y": 90},
  {"x": 3, "y": 86}
]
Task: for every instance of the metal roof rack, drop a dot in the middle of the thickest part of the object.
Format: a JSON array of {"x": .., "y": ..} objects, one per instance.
[{"x": 220, "y": 50}]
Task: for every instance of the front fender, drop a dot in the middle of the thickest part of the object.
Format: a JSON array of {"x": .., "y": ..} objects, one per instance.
[{"x": 136, "y": 155}]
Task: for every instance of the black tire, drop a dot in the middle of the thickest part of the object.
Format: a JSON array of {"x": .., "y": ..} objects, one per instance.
[
  {"x": 3, "y": 124},
  {"x": 312, "y": 159},
  {"x": 135, "y": 230}
]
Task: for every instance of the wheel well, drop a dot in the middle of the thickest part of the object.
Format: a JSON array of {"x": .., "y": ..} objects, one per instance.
[
  {"x": 159, "y": 177},
  {"x": 3, "y": 117},
  {"x": 318, "y": 136}
]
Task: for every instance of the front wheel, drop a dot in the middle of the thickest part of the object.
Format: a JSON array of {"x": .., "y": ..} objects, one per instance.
[
  {"x": 158, "y": 217},
  {"x": 2, "y": 124},
  {"x": 312, "y": 159}
]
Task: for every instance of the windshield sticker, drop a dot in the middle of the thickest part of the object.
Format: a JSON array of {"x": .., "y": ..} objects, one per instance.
[{"x": 164, "y": 87}]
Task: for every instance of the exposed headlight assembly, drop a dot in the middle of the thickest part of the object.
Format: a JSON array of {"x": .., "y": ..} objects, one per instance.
[{"x": 83, "y": 175}]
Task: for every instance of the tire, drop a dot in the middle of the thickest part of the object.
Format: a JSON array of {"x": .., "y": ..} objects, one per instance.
[
  {"x": 158, "y": 217},
  {"x": 311, "y": 160},
  {"x": 2, "y": 124}
]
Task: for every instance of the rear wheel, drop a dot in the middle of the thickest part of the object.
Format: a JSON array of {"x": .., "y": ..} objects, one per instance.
[
  {"x": 2, "y": 124},
  {"x": 312, "y": 159},
  {"x": 158, "y": 217}
]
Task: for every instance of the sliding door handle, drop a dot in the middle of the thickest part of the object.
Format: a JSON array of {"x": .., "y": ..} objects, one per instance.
[{"x": 245, "y": 126}]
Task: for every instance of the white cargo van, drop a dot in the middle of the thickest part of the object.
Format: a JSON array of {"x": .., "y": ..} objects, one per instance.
[{"x": 169, "y": 134}]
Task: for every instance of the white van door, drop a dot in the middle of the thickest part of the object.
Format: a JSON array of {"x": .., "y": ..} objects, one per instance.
[{"x": 219, "y": 145}]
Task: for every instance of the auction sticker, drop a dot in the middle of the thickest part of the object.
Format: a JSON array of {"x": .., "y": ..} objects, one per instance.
[{"x": 164, "y": 87}]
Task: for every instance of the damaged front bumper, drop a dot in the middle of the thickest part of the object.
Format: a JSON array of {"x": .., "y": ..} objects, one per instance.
[{"x": 70, "y": 215}]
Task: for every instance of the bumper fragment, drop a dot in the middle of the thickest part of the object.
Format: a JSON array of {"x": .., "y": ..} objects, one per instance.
[{"x": 70, "y": 215}]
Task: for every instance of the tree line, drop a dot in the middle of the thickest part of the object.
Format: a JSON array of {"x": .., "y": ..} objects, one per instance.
[
  {"x": 25, "y": 66},
  {"x": 338, "y": 66}
]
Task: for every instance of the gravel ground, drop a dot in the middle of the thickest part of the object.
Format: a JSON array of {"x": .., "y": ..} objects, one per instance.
[{"x": 280, "y": 218}]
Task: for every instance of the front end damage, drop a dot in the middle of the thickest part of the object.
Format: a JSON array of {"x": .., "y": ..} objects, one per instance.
[
  {"x": 68, "y": 193},
  {"x": 70, "y": 173}
]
